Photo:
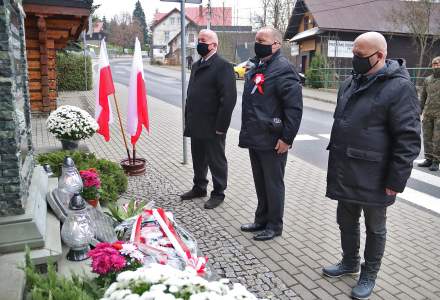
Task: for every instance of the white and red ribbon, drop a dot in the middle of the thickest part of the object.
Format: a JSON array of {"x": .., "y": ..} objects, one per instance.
[
  {"x": 167, "y": 228},
  {"x": 259, "y": 81}
]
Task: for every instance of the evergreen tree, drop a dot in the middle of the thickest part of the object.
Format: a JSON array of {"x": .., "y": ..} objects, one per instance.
[{"x": 139, "y": 16}]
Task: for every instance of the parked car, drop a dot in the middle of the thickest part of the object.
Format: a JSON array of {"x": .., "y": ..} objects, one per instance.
[{"x": 242, "y": 68}]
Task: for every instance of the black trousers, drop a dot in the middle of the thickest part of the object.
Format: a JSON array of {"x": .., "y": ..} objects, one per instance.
[
  {"x": 348, "y": 215},
  {"x": 210, "y": 153},
  {"x": 268, "y": 171}
]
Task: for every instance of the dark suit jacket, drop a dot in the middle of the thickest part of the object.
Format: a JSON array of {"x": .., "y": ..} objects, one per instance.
[{"x": 211, "y": 98}]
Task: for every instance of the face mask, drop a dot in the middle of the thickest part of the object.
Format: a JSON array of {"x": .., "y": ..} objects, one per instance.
[
  {"x": 203, "y": 49},
  {"x": 361, "y": 65},
  {"x": 436, "y": 72},
  {"x": 262, "y": 51}
]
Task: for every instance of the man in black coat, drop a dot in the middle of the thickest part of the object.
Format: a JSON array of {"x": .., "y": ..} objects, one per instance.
[
  {"x": 211, "y": 98},
  {"x": 374, "y": 140},
  {"x": 271, "y": 115}
]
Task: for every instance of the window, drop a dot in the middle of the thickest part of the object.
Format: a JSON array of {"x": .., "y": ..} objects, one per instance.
[
  {"x": 306, "y": 23},
  {"x": 167, "y": 36},
  {"x": 172, "y": 21},
  {"x": 178, "y": 20},
  {"x": 191, "y": 38}
]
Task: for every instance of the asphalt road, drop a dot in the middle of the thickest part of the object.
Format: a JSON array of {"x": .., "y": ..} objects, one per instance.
[{"x": 164, "y": 83}]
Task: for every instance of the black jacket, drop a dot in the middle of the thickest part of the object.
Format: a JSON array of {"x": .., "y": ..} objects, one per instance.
[
  {"x": 281, "y": 101},
  {"x": 211, "y": 97},
  {"x": 375, "y": 136}
]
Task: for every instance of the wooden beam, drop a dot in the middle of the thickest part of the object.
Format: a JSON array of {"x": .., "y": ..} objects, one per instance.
[
  {"x": 42, "y": 37},
  {"x": 54, "y": 10}
]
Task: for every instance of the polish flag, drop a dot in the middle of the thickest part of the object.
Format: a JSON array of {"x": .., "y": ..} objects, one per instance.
[
  {"x": 104, "y": 87},
  {"x": 137, "y": 113}
]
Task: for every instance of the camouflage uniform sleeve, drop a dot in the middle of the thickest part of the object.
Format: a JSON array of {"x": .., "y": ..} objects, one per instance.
[{"x": 424, "y": 94}]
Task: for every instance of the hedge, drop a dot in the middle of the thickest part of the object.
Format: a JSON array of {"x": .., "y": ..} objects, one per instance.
[
  {"x": 113, "y": 180},
  {"x": 70, "y": 69}
]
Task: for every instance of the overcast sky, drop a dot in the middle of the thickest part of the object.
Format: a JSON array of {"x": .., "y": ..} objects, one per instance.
[{"x": 110, "y": 8}]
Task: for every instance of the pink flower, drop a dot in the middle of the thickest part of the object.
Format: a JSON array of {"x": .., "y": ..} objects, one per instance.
[
  {"x": 90, "y": 178},
  {"x": 105, "y": 259}
]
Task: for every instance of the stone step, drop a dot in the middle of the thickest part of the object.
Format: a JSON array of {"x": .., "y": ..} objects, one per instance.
[{"x": 12, "y": 279}]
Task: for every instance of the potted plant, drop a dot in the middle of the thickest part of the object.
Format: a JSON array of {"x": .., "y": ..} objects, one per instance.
[
  {"x": 70, "y": 124},
  {"x": 92, "y": 186}
]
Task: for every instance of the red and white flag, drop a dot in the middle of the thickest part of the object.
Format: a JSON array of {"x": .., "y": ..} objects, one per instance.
[
  {"x": 137, "y": 113},
  {"x": 104, "y": 87}
]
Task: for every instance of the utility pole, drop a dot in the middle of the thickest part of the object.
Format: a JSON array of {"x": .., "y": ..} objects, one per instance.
[
  {"x": 223, "y": 13},
  {"x": 209, "y": 14}
]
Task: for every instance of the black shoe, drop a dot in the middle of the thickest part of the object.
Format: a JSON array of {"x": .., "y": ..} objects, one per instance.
[
  {"x": 266, "y": 235},
  {"x": 364, "y": 287},
  {"x": 340, "y": 269},
  {"x": 434, "y": 167},
  {"x": 194, "y": 193},
  {"x": 214, "y": 201},
  {"x": 425, "y": 164},
  {"x": 252, "y": 227}
]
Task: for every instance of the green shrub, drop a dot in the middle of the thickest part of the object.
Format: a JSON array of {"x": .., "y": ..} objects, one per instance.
[
  {"x": 315, "y": 75},
  {"x": 52, "y": 286},
  {"x": 113, "y": 179},
  {"x": 70, "y": 72}
]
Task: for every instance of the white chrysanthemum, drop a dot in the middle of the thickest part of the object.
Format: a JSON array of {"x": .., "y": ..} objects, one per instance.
[{"x": 71, "y": 122}]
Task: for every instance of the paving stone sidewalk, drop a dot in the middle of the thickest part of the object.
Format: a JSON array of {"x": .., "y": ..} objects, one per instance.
[{"x": 289, "y": 265}]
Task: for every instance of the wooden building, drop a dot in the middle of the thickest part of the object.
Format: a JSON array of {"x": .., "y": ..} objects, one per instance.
[
  {"x": 330, "y": 27},
  {"x": 49, "y": 25}
]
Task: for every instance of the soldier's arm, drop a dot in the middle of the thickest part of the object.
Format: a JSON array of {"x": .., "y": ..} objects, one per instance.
[{"x": 424, "y": 94}]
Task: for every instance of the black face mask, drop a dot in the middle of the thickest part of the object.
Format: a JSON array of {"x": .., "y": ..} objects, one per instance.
[
  {"x": 262, "y": 51},
  {"x": 436, "y": 72},
  {"x": 361, "y": 65},
  {"x": 203, "y": 49}
]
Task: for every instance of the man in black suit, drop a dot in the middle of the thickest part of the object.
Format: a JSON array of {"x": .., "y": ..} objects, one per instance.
[
  {"x": 210, "y": 101},
  {"x": 271, "y": 115}
]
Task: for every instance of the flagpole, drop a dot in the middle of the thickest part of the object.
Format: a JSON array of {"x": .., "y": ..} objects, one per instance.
[
  {"x": 134, "y": 153},
  {"x": 122, "y": 128}
]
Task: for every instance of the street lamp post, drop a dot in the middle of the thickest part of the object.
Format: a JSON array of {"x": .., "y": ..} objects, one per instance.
[{"x": 183, "y": 59}]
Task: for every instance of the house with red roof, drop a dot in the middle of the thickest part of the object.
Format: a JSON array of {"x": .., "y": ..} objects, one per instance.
[{"x": 166, "y": 27}]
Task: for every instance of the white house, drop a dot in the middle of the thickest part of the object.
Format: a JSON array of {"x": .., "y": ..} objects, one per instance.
[{"x": 165, "y": 28}]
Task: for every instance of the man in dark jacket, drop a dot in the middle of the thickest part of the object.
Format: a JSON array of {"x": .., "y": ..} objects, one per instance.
[
  {"x": 374, "y": 140},
  {"x": 271, "y": 115},
  {"x": 210, "y": 101}
]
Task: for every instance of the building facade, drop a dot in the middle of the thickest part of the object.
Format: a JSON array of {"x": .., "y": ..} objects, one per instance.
[{"x": 330, "y": 28}]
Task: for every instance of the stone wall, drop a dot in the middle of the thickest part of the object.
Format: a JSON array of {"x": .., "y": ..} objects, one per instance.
[{"x": 16, "y": 161}]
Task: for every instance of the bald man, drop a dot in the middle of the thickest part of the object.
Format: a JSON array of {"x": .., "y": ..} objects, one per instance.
[
  {"x": 375, "y": 138},
  {"x": 271, "y": 116},
  {"x": 210, "y": 101}
]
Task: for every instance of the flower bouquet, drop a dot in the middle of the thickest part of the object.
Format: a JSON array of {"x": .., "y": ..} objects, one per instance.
[
  {"x": 161, "y": 282},
  {"x": 108, "y": 260},
  {"x": 91, "y": 186},
  {"x": 70, "y": 124}
]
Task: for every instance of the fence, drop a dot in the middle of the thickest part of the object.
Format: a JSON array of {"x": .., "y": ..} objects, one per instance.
[{"x": 331, "y": 78}]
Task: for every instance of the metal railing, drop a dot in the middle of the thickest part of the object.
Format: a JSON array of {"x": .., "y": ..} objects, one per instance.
[{"x": 331, "y": 78}]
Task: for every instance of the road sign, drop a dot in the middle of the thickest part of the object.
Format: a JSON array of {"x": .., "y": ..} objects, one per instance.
[{"x": 187, "y": 1}]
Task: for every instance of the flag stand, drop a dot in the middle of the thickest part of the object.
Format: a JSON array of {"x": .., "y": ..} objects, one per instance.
[{"x": 122, "y": 129}]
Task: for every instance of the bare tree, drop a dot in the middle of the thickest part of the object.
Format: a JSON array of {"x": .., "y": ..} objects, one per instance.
[
  {"x": 123, "y": 30},
  {"x": 275, "y": 13},
  {"x": 422, "y": 20}
]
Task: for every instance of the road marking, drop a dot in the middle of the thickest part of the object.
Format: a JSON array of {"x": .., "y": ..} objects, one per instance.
[
  {"x": 425, "y": 177},
  {"x": 305, "y": 137},
  {"x": 326, "y": 136},
  {"x": 421, "y": 199}
]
